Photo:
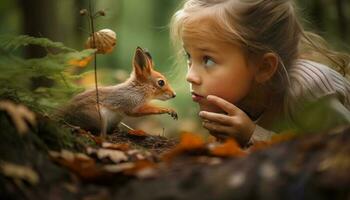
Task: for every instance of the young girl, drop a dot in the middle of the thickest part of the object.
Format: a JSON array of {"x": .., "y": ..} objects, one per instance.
[{"x": 249, "y": 67}]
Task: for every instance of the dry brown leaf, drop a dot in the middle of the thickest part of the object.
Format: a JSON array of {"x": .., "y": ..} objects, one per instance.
[
  {"x": 117, "y": 168},
  {"x": 80, "y": 164},
  {"x": 228, "y": 149},
  {"x": 137, "y": 154},
  {"x": 16, "y": 172},
  {"x": 139, "y": 133},
  {"x": 114, "y": 155},
  {"x": 20, "y": 115},
  {"x": 98, "y": 140},
  {"x": 120, "y": 146}
]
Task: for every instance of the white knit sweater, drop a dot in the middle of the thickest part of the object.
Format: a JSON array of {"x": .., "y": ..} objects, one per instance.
[{"x": 309, "y": 82}]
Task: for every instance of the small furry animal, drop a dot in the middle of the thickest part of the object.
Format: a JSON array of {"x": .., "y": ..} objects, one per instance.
[{"x": 128, "y": 98}]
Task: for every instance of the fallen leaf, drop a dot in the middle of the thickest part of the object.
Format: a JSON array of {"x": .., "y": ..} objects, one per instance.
[
  {"x": 188, "y": 142},
  {"x": 98, "y": 139},
  {"x": 139, "y": 133},
  {"x": 120, "y": 146},
  {"x": 20, "y": 115},
  {"x": 276, "y": 139},
  {"x": 258, "y": 146},
  {"x": 80, "y": 164},
  {"x": 114, "y": 155},
  {"x": 67, "y": 155},
  {"x": 136, "y": 154},
  {"x": 282, "y": 137},
  {"x": 191, "y": 141},
  {"x": 80, "y": 63},
  {"x": 16, "y": 172},
  {"x": 119, "y": 167},
  {"x": 228, "y": 149}
]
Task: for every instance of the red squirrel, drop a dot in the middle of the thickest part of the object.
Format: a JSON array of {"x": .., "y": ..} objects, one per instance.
[{"x": 129, "y": 98}]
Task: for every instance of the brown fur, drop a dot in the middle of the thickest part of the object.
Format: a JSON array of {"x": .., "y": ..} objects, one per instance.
[{"x": 128, "y": 98}]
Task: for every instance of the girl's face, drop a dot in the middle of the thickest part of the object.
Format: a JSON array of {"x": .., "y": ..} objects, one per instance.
[{"x": 217, "y": 68}]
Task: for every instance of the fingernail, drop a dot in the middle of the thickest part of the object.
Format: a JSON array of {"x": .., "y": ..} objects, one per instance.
[{"x": 200, "y": 114}]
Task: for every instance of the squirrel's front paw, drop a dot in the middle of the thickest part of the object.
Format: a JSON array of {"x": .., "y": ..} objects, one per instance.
[{"x": 173, "y": 114}]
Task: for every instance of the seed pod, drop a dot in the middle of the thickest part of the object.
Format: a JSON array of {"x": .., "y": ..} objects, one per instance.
[
  {"x": 83, "y": 12},
  {"x": 102, "y": 13},
  {"x": 105, "y": 41}
]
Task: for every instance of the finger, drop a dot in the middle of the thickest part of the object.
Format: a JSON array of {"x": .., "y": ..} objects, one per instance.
[
  {"x": 217, "y": 127},
  {"x": 216, "y": 117},
  {"x": 228, "y": 107},
  {"x": 219, "y": 136}
]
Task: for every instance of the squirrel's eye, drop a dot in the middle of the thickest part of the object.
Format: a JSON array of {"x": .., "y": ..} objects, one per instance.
[{"x": 161, "y": 83}]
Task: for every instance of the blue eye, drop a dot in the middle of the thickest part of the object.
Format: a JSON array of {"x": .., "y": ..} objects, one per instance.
[{"x": 208, "y": 61}]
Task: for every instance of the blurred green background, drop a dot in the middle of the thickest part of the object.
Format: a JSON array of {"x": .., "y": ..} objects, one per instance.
[{"x": 144, "y": 23}]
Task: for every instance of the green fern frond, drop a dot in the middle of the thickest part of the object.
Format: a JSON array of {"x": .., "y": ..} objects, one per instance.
[
  {"x": 17, "y": 74},
  {"x": 11, "y": 43}
]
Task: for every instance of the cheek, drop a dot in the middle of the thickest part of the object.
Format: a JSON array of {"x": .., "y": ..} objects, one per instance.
[{"x": 232, "y": 86}]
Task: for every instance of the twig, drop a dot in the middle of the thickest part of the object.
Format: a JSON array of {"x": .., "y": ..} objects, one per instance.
[
  {"x": 91, "y": 18},
  {"x": 128, "y": 127}
]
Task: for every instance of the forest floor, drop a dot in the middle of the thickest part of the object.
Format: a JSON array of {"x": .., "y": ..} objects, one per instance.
[{"x": 51, "y": 161}]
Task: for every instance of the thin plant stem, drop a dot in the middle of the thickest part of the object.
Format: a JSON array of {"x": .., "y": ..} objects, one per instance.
[{"x": 91, "y": 19}]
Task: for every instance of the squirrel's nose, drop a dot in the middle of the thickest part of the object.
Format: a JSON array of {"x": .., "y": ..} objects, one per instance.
[{"x": 174, "y": 95}]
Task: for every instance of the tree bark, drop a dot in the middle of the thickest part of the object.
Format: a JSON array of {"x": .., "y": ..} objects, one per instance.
[{"x": 39, "y": 20}]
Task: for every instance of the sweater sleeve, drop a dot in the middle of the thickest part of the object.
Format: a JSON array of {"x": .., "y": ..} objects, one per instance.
[
  {"x": 260, "y": 134},
  {"x": 317, "y": 97}
]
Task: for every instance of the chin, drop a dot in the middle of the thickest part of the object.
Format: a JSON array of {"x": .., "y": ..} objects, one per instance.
[{"x": 209, "y": 108}]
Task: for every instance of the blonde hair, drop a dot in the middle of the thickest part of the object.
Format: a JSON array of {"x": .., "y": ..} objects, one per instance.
[{"x": 260, "y": 26}]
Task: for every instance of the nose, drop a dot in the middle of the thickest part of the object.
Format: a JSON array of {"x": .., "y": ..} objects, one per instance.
[
  {"x": 174, "y": 95},
  {"x": 192, "y": 76}
]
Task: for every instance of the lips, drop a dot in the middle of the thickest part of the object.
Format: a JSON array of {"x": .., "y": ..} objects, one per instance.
[{"x": 196, "y": 97}]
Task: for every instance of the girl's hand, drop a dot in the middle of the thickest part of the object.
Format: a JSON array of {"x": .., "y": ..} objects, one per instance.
[{"x": 235, "y": 124}]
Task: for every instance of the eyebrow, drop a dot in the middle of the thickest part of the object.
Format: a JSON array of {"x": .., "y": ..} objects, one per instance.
[
  {"x": 207, "y": 50},
  {"x": 203, "y": 49}
]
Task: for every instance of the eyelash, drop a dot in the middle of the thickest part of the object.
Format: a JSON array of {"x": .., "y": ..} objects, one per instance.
[{"x": 205, "y": 59}]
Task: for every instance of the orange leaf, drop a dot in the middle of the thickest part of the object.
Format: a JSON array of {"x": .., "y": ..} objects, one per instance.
[
  {"x": 188, "y": 142},
  {"x": 80, "y": 63},
  {"x": 140, "y": 133},
  {"x": 276, "y": 139},
  {"x": 228, "y": 149},
  {"x": 191, "y": 141},
  {"x": 282, "y": 137},
  {"x": 258, "y": 146},
  {"x": 98, "y": 139}
]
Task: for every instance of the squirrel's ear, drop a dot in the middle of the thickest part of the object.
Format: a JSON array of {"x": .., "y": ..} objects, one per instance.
[
  {"x": 142, "y": 63},
  {"x": 148, "y": 54}
]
